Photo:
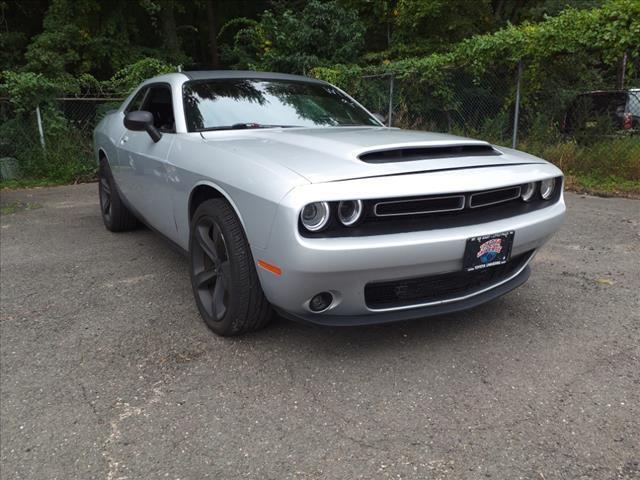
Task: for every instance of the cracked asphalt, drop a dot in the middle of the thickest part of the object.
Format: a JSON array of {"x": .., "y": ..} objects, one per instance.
[{"x": 107, "y": 372}]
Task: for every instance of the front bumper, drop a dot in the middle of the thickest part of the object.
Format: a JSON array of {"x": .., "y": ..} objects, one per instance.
[
  {"x": 344, "y": 266},
  {"x": 413, "y": 313}
]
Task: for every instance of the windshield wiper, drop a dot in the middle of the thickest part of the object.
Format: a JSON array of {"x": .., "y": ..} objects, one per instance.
[{"x": 243, "y": 126}]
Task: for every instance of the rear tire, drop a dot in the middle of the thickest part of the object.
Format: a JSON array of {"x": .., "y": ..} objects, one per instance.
[
  {"x": 115, "y": 215},
  {"x": 223, "y": 274}
]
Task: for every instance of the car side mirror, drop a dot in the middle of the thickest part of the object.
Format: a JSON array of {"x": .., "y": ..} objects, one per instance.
[{"x": 142, "y": 121}]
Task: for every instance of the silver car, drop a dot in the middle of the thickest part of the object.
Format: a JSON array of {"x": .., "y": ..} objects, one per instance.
[{"x": 288, "y": 195}]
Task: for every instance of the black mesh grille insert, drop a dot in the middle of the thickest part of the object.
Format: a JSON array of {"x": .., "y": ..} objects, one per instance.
[
  {"x": 494, "y": 196},
  {"x": 438, "y": 287},
  {"x": 420, "y": 205}
]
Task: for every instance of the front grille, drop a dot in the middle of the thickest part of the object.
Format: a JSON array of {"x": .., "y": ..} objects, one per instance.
[
  {"x": 419, "y": 206},
  {"x": 416, "y": 291},
  {"x": 493, "y": 197}
]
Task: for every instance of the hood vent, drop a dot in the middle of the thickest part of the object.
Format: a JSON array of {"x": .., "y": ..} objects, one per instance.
[{"x": 409, "y": 154}]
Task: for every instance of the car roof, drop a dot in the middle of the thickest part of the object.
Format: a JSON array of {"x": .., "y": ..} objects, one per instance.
[{"x": 222, "y": 74}]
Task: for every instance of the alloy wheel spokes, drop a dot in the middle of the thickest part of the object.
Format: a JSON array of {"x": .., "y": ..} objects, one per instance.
[
  {"x": 106, "y": 196},
  {"x": 211, "y": 274},
  {"x": 206, "y": 242},
  {"x": 220, "y": 293},
  {"x": 204, "y": 278}
]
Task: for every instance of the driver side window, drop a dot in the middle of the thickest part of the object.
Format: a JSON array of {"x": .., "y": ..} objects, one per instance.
[
  {"x": 159, "y": 103},
  {"x": 136, "y": 102}
]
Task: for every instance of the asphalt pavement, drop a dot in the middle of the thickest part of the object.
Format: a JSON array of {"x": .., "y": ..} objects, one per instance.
[{"x": 107, "y": 371}]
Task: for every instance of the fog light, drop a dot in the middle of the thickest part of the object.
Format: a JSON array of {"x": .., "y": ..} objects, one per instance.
[
  {"x": 315, "y": 216},
  {"x": 349, "y": 212},
  {"x": 528, "y": 191},
  {"x": 320, "y": 302},
  {"x": 547, "y": 187}
]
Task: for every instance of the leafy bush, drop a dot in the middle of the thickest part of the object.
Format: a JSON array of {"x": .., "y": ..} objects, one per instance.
[
  {"x": 571, "y": 52},
  {"x": 27, "y": 90},
  {"x": 132, "y": 75},
  {"x": 66, "y": 158},
  {"x": 618, "y": 157}
]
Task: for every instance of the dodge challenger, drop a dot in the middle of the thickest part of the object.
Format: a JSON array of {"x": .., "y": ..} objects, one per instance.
[{"x": 288, "y": 195}]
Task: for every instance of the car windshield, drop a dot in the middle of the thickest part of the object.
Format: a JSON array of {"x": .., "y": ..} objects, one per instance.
[{"x": 257, "y": 103}]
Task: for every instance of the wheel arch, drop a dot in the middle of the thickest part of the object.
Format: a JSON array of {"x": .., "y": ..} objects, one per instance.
[{"x": 206, "y": 191}]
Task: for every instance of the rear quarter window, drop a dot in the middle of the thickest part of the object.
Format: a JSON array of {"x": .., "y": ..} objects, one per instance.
[{"x": 634, "y": 103}]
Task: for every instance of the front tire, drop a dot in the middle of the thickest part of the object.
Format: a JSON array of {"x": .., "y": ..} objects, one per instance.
[
  {"x": 115, "y": 215},
  {"x": 223, "y": 274}
]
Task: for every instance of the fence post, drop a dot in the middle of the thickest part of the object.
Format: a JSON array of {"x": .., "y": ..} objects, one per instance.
[
  {"x": 40, "y": 129},
  {"x": 516, "y": 115},
  {"x": 391, "y": 98}
]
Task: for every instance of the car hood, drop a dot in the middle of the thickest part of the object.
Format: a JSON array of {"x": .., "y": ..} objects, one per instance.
[{"x": 336, "y": 153}]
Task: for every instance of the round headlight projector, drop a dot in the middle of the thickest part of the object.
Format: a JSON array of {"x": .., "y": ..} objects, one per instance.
[
  {"x": 528, "y": 191},
  {"x": 349, "y": 212},
  {"x": 547, "y": 187},
  {"x": 315, "y": 216}
]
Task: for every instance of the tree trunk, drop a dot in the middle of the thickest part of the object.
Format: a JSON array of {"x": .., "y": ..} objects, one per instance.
[
  {"x": 620, "y": 74},
  {"x": 212, "y": 22},
  {"x": 169, "y": 30}
]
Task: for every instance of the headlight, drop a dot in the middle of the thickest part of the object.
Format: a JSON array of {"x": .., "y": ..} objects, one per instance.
[
  {"x": 547, "y": 187},
  {"x": 349, "y": 212},
  {"x": 315, "y": 216},
  {"x": 528, "y": 191}
]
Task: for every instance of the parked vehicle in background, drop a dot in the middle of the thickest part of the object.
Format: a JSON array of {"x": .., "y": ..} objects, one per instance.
[
  {"x": 287, "y": 193},
  {"x": 604, "y": 111}
]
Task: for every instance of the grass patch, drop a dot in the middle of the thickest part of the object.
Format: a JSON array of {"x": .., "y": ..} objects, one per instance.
[
  {"x": 610, "y": 186},
  {"x": 18, "y": 206},
  {"x": 31, "y": 183},
  {"x": 606, "y": 167}
]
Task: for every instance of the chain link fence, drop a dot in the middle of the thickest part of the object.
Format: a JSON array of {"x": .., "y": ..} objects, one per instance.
[
  {"x": 85, "y": 113},
  {"x": 54, "y": 140},
  {"x": 493, "y": 106},
  {"x": 581, "y": 123}
]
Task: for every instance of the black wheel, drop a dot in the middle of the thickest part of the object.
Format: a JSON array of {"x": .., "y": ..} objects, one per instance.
[
  {"x": 223, "y": 275},
  {"x": 115, "y": 215}
]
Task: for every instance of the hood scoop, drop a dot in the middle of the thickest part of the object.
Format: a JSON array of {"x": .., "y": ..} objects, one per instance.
[{"x": 410, "y": 154}]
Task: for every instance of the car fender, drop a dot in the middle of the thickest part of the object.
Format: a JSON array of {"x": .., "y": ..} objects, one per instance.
[{"x": 223, "y": 192}]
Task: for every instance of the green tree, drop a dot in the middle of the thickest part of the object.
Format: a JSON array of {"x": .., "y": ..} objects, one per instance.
[
  {"x": 378, "y": 17},
  {"x": 434, "y": 24},
  {"x": 283, "y": 40},
  {"x": 91, "y": 37}
]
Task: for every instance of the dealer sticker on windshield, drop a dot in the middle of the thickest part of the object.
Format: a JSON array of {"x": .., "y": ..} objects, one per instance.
[{"x": 487, "y": 251}]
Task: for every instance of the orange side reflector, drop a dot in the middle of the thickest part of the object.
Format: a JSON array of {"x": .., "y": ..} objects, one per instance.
[{"x": 270, "y": 268}]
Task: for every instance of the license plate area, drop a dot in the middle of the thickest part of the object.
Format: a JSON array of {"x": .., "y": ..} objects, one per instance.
[{"x": 487, "y": 251}]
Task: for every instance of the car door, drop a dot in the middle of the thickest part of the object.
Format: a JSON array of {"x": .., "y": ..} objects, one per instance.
[
  {"x": 143, "y": 163},
  {"x": 119, "y": 165}
]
